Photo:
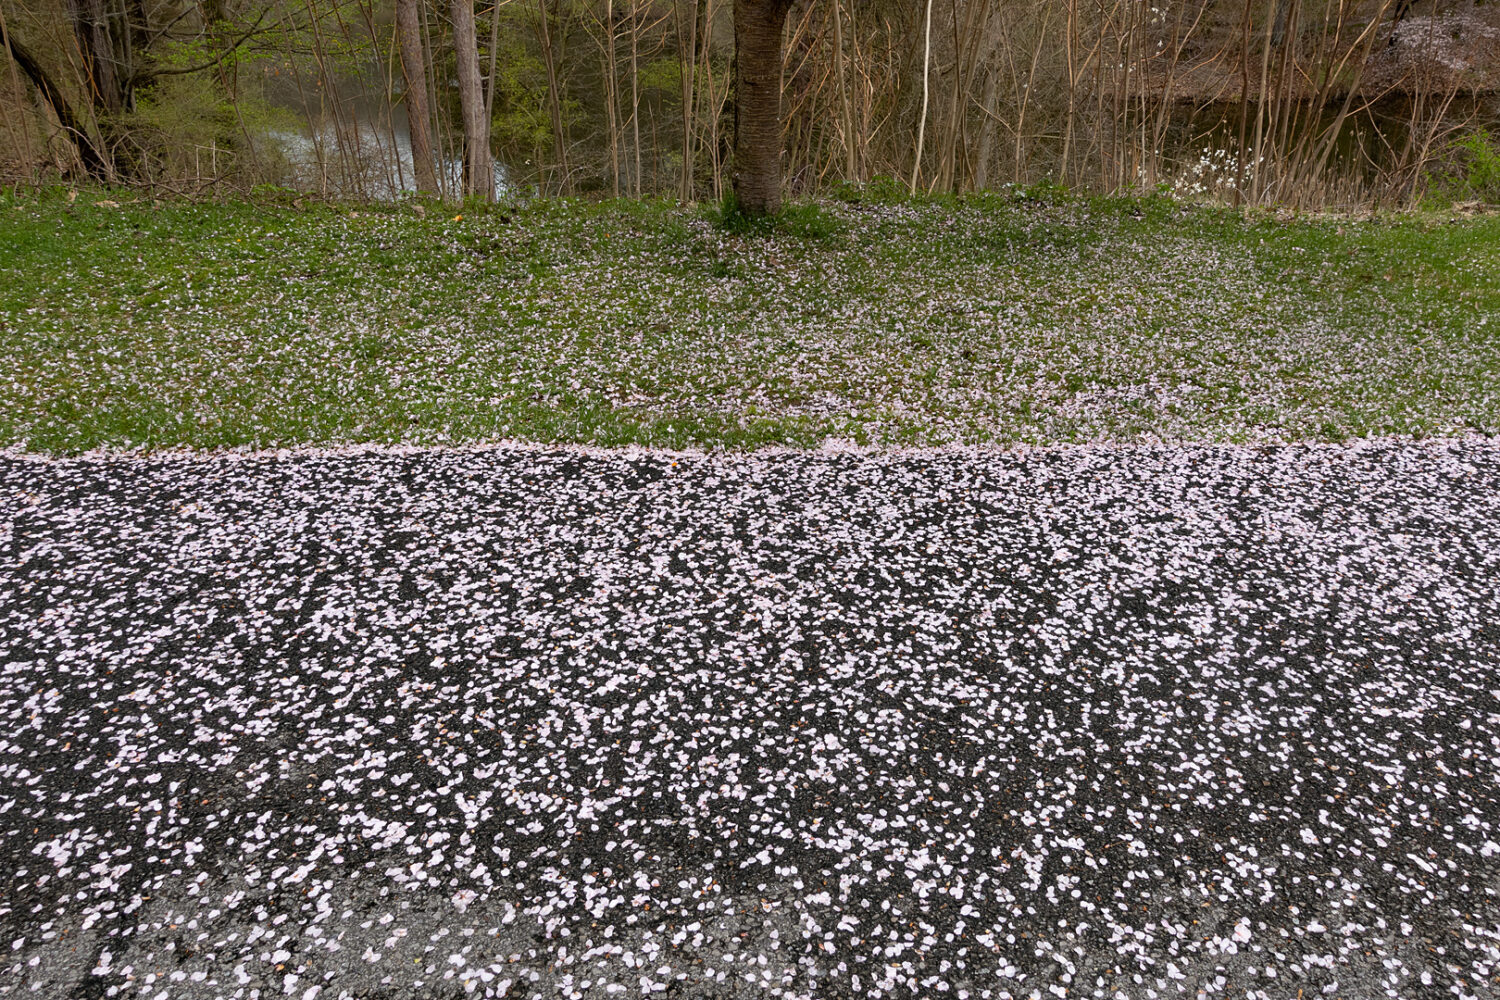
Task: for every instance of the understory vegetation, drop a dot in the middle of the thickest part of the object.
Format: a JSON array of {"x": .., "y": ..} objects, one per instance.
[
  {"x": 1308, "y": 104},
  {"x": 1028, "y": 317}
]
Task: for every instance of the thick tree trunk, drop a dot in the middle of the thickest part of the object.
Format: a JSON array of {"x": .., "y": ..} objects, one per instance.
[
  {"x": 479, "y": 169},
  {"x": 18, "y": 122},
  {"x": 93, "y": 159},
  {"x": 758, "y": 27},
  {"x": 94, "y": 44},
  {"x": 418, "y": 116}
]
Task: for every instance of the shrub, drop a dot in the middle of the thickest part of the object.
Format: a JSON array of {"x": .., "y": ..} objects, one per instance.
[{"x": 1469, "y": 171}]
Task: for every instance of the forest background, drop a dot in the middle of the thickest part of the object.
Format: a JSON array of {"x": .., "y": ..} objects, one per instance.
[{"x": 1307, "y": 103}]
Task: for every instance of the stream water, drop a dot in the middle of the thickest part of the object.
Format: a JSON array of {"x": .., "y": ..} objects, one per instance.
[{"x": 364, "y": 160}]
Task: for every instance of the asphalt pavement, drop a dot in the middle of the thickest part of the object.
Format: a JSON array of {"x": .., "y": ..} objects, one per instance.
[{"x": 510, "y": 721}]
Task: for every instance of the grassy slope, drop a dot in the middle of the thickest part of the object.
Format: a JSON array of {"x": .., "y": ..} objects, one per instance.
[{"x": 211, "y": 325}]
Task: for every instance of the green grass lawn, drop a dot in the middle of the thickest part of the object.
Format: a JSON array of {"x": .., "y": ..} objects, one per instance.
[{"x": 989, "y": 320}]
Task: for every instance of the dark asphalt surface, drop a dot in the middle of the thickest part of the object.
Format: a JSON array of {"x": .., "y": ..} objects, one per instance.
[{"x": 515, "y": 722}]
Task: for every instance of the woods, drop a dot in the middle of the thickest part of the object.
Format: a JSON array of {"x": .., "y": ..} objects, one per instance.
[{"x": 1298, "y": 102}]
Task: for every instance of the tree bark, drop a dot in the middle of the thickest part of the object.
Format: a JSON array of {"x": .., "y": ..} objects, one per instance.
[
  {"x": 18, "y": 123},
  {"x": 1260, "y": 116},
  {"x": 94, "y": 43},
  {"x": 846, "y": 115},
  {"x": 554, "y": 101},
  {"x": 987, "y": 133},
  {"x": 489, "y": 76},
  {"x": 418, "y": 116},
  {"x": 758, "y": 28},
  {"x": 612, "y": 96},
  {"x": 479, "y": 169},
  {"x": 94, "y": 161},
  {"x": 916, "y": 165},
  {"x": 713, "y": 99},
  {"x": 689, "y": 61},
  {"x": 635, "y": 88}
]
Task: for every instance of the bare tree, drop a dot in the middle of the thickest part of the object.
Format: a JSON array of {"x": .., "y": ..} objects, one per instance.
[
  {"x": 479, "y": 169},
  {"x": 688, "y": 62},
  {"x": 846, "y": 115},
  {"x": 758, "y": 29},
  {"x": 96, "y": 45},
  {"x": 554, "y": 105},
  {"x": 15, "y": 124},
  {"x": 607, "y": 39},
  {"x": 635, "y": 90},
  {"x": 916, "y": 164},
  {"x": 418, "y": 115},
  {"x": 94, "y": 160}
]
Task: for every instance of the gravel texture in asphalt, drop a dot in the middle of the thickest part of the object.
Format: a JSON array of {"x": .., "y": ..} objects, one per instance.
[{"x": 509, "y": 721}]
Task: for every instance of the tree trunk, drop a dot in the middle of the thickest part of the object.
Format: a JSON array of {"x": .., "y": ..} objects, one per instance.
[
  {"x": 18, "y": 123},
  {"x": 443, "y": 144},
  {"x": 1260, "y": 117},
  {"x": 612, "y": 97},
  {"x": 846, "y": 115},
  {"x": 1070, "y": 44},
  {"x": 554, "y": 105},
  {"x": 758, "y": 27},
  {"x": 93, "y": 159},
  {"x": 635, "y": 88},
  {"x": 489, "y": 76},
  {"x": 987, "y": 132},
  {"x": 418, "y": 117},
  {"x": 94, "y": 43},
  {"x": 479, "y": 169},
  {"x": 916, "y": 166},
  {"x": 689, "y": 63},
  {"x": 1240, "y": 161},
  {"x": 713, "y": 99}
]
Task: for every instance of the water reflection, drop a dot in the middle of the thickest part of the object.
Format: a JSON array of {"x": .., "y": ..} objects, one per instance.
[{"x": 364, "y": 160}]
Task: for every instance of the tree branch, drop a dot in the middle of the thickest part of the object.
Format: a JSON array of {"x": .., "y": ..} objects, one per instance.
[{"x": 146, "y": 76}]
